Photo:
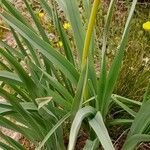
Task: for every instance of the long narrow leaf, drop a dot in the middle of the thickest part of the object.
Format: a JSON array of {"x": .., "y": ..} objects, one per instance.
[
  {"x": 103, "y": 72},
  {"x": 43, "y": 47},
  {"x": 114, "y": 71},
  {"x": 5, "y": 147},
  {"x": 79, "y": 96},
  {"x": 21, "y": 72},
  {"x": 131, "y": 143},
  {"x": 12, "y": 142},
  {"x": 99, "y": 127},
  {"x": 71, "y": 10},
  {"x": 13, "y": 101},
  {"x": 141, "y": 121},
  {"x": 80, "y": 116},
  {"x": 10, "y": 77},
  {"x": 52, "y": 131},
  {"x": 125, "y": 107}
]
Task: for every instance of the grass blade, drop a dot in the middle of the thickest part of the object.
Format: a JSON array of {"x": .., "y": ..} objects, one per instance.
[
  {"x": 125, "y": 107},
  {"x": 10, "y": 78},
  {"x": 5, "y": 147},
  {"x": 114, "y": 71},
  {"x": 47, "y": 8},
  {"x": 79, "y": 96},
  {"x": 25, "y": 115},
  {"x": 10, "y": 125},
  {"x": 127, "y": 101},
  {"x": 138, "y": 127},
  {"x": 121, "y": 122},
  {"x": 12, "y": 142},
  {"x": 147, "y": 93},
  {"x": 19, "y": 44},
  {"x": 103, "y": 72},
  {"x": 56, "y": 85},
  {"x": 21, "y": 72},
  {"x": 11, "y": 50},
  {"x": 71, "y": 10},
  {"x": 131, "y": 143},
  {"x": 44, "y": 48},
  {"x": 15, "y": 13},
  {"x": 64, "y": 39},
  {"x": 61, "y": 121}
]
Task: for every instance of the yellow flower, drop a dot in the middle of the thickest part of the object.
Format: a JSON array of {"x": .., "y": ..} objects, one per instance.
[
  {"x": 67, "y": 25},
  {"x": 41, "y": 14},
  {"x": 60, "y": 44},
  {"x": 146, "y": 26}
]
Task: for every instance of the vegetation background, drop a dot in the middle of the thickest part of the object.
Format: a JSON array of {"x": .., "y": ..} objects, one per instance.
[{"x": 135, "y": 72}]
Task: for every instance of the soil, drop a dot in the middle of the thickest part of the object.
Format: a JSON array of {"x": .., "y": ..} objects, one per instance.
[{"x": 26, "y": 143}]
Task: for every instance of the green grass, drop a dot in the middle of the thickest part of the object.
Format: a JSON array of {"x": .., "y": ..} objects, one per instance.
[{"x": 135, "y": 71}]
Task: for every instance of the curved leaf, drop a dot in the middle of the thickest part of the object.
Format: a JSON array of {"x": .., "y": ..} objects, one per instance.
[
  {"x": 81, "y": 114},
  {"x": 99, "y": 127}
]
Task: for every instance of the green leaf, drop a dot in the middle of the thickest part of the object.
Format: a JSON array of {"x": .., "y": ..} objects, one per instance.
[
  {"x": 19, "y": 44},
  {"x": 56, "y": 85},
  {"x": 16, "y": 13},
  {"x": 11, "y": 50},
  {"x": 147, "y": 93},
  {"x": 12, "y": 142},
  {"x": 21, "y": 72},
  {"x": 125, "y": 107},
  {"x": 41, "y": 31},
  {"x": 131, "y": 142},
  {"x": 121, "y": 121},
  {"x": 76, "y": 124},
  {"x": 63, "y": 103},
  {"x": 141, "y": 121},
  {"x": 37, "y": 22},
  {"x": 100, "y": 129},
  {"x": 5, "y": 147},
  {"x": 51, "y": 54},
  {"x": 87, "y": 6},
  {"x": 18, "y": 108},
  {"x": 92, "y": 74},
  {"x": 6, "y": 107},
  {"x": 3, "y": 66},
  {"x": 12, "y": 126},
  {"x": 20, "y": 91},
  {"x": 103, "y": 73},
  {"x": 62, "y": 5},
  {"x": 53, "y": 130},
  {"x": 79, "y": 96},
  {"x": 47, "y": 8},
  {"x": 91, "y": 145},
  {"x": 4, "y": 111},
  {"x": 127, "y": 100},
  {"x": 71, "y": 10},
  {"x": 64, "y": 39},
  {"x": 114, "y": 70},
  {"x": 10, "y": 77}
]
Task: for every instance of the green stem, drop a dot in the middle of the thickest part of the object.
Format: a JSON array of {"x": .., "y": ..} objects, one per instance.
[{"x": 89, "y": 32}]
